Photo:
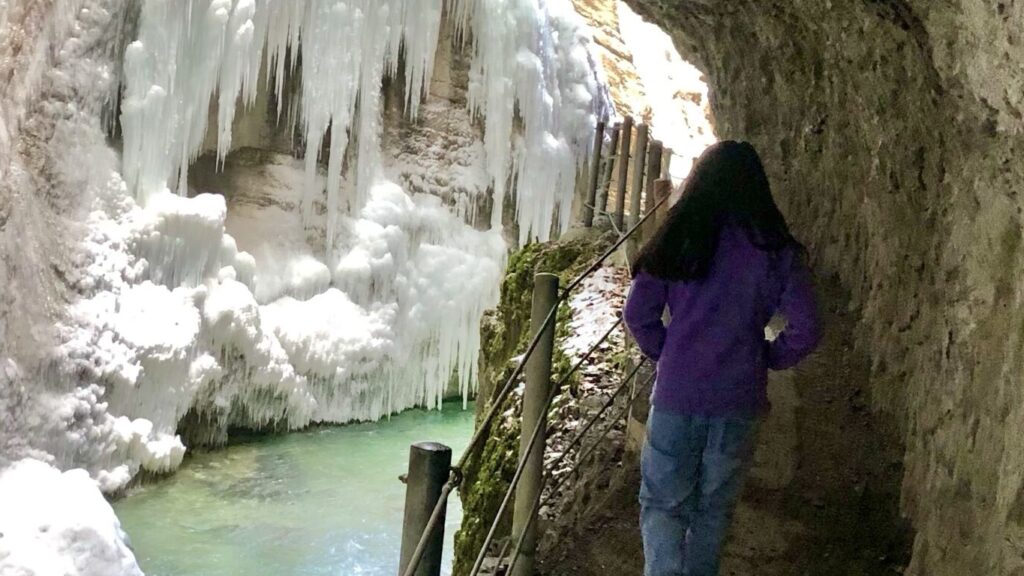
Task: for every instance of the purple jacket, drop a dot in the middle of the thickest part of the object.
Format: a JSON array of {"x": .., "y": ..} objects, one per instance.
[{"x": 713, "y": 358}]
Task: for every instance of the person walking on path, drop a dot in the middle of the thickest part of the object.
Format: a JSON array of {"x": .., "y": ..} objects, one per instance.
[{"x": 723, "y": 263}]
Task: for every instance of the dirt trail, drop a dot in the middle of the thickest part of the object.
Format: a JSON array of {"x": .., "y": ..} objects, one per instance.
[{"x": 822, "y": 497}]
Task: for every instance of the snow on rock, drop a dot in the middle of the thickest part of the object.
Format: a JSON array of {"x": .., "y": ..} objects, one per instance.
[
  {"x": 165, "y": 325},
  {"x": 58, "y": 523},
  {"x": 441, "y": 276},
  {"x": 324, "y": 293},
  {"x": 596, "y": 307},
  {"x": 67, "y": 221}
]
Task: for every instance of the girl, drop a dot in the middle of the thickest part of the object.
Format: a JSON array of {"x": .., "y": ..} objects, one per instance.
[{"x": 723, "y": 263}]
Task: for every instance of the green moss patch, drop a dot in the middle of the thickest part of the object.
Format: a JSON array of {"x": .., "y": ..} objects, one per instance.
[{"x": 504, "y": 334}]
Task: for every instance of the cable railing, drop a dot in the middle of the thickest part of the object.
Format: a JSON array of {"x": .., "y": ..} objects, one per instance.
[
  {"x": 553, "y": 490},
  {"x": 542, "y": 325},
  {"x": 530, "y": 518}
]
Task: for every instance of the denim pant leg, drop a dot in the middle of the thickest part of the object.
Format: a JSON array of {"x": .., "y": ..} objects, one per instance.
[
  {"x": 669, "y": 489},
  {"x": 726, "y": 458}
]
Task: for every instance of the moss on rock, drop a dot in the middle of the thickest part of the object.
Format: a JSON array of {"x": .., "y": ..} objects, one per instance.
[{"x": 504, "y": 334}]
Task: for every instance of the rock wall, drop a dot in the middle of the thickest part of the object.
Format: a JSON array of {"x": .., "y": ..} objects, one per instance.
[
  {"x": 892, "y": 133},
  {"x": 624, "y": 82}
]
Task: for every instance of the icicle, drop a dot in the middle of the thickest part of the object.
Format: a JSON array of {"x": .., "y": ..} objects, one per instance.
[
  {"x": 332, "y": 57},
  {"x": 534, "y": 59},
  {"x": 374, "y": 41},
  {"x": 236, "y": 71},
  {"x": 422, "y": 27}
]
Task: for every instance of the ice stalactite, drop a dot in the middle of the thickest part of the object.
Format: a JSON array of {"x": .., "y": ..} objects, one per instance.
[
  {"x": 529, "y": 58},
  {"x": 410, "y": 251}
]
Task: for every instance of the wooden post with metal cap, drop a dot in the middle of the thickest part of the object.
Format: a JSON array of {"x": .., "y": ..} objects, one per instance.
[
  {"x": 429, "y": 469},
  {"x": 590, "y": 202},
  {"x": 535, "y": 399}
]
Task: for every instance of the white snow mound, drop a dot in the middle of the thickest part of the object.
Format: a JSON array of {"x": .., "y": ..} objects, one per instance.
[{"x": 58, "y": 523}]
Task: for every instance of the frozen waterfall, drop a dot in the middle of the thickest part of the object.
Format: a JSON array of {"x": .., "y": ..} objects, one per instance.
[{"x": 324, "y": 287}]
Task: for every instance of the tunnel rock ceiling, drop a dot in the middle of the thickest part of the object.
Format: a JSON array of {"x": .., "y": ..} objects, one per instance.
[{"x": 892, "y": 133}]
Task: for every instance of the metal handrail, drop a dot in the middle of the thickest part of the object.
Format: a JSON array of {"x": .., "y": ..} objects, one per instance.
[
  {"x": 593, "y": 420},
  {"x": 585, "y": 453},
  {"x": 541, "y": 502},
  {"x": 455, "y": 478},
  {"x": 611, "y": 250},
  {"x": 560, "y": 383},
  {"x": 522, "y": 466}
]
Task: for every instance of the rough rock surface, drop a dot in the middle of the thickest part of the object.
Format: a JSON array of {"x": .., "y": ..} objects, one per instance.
[
  {"x": 505, "y": 333},
  {"x": 892, "y": 131},
  {"x": 624, "y": 83}
]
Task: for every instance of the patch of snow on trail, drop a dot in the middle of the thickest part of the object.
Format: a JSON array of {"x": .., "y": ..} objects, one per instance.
[{"x": 596, "y": 306}]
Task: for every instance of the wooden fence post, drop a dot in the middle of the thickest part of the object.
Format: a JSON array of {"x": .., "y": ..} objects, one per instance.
[
  {"x": 535, "y": 399},
  {"x": 429, "y": 467},
  {"x": 653, "y": 173},
  {"x": 639, "y": 164},
  {"x": 601, "y": 205},
  {"x": 595, "y": 173},
  {"x": 623, "y": 162}
]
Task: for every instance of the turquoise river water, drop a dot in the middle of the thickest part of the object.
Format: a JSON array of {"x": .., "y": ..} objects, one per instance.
[{"x": 323, "y": 501}]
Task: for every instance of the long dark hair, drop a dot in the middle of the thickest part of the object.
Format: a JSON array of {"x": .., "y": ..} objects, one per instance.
[{"x": 728, "y": 186}]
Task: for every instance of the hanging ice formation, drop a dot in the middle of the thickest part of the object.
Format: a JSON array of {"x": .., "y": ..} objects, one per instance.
[
  {"x": 175, "y": 317},
  {"x": 538, "y": 67},
  {"x": 529, "y": 56}
]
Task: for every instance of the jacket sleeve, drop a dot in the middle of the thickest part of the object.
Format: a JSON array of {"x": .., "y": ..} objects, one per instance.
[
  {"x": 643, "y": 314},
  {"x": 799, "y": 307}
]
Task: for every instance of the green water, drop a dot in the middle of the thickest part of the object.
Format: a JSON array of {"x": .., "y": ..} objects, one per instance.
[{"x": 326, "y": 501}]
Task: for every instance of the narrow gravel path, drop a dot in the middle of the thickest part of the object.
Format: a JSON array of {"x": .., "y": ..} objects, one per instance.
[{"x": 821, "y": 499}]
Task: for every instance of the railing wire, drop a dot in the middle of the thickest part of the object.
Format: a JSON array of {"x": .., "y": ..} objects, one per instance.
[
  {"x": 481, "y": 556},
  {"x": 541, "y": 502},
  {"x": 455, "y": 479}
]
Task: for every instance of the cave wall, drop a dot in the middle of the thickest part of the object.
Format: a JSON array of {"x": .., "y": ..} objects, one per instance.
[{"x": 893, "y": 135}]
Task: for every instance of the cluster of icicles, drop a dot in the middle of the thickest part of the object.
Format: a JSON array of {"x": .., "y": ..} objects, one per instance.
[
  {"x": 528, "y": 58},
  {"x": 385, "y": 314}
]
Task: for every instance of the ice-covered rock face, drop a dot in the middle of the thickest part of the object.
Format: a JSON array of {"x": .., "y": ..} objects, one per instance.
[
  {"x": 531, "y": 59},
  {"x": 343, "y": 284}
]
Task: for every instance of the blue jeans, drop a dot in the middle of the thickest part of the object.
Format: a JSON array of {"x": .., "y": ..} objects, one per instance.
[{"x": 692, "y": 469}]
